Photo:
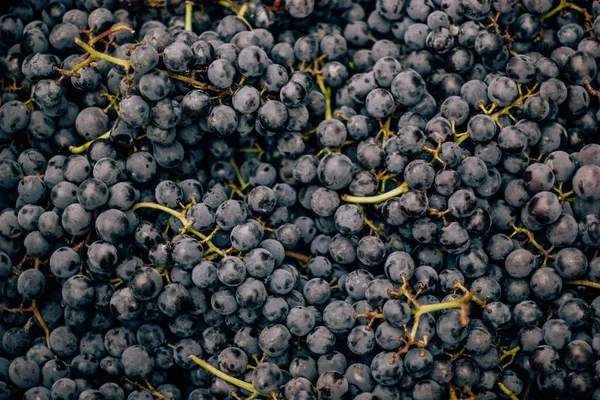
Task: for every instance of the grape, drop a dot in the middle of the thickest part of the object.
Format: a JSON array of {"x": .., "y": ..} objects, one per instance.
[
  {"x": 267, "y": 377},
  {"x": 31, "y": 284},
  {"x": 385, "y": 373},
  {"x": 571, "y": 263},
  {"x": 284, "y": 187},
  {"x": 274, "y": 339},
  {"x": 332, "y": 384},
  {"x": 174, "y": 299}
]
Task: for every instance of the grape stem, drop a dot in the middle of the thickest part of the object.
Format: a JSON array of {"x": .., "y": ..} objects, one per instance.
[
  {"x": 562, "y": 196},
  {"x": 436, "y": 152},
  {"x": 455, "y": 356},
  {"x": 410, "y": 339},
  {"x": 510, "y": 354},
  {"x": 519, "y": 102},
  {"x": 440, "y": 214},
  {"x": 148, "y": 389},
  {"x": 327, "y": 94},
  {"x": 114, "y": 29},
  {"x": 452, "y": 392},
  {"x": 384, "y": 177},
  {"x": 188, "y": 80},
  {"x": 228, "y": 378},
  {"x": 565, "y": 4},
  {"x": 189, "y": 11},
  {"x": 243, "y": 184},
  {"x": 507, "y": 391},
  {"x": 36, "y": 313},
  {"x": 116, "y": 282},
  {"x": 372, "y": 316},
  {"x": 211, "y": 235},
  {"x": 583, "y": 282},
  {"x": 73, "y": 72},
  {"x": 113, "y": 102},
  {"x": 182, "y": 216},
  {"x": 458, "y": 137},
  {"x": 487, "y": 111},
  {"x": 531, "y": 238},
  {"x": 376, "y": 230},
  {"x": 297, "y": 256},
  {"x": 238, "y": 12},
  {"x": 403, "y": 188},
  {"x": 84, "y": 147},
  {"x": 385, "y": 131},
  {"x": 95, "y": 54},
  {"x": 591, "y": 89},
  {"x": 256, "y": 149}
]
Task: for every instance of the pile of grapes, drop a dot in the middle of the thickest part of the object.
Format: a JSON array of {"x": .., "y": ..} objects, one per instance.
[{"x": 299, "y": 199}]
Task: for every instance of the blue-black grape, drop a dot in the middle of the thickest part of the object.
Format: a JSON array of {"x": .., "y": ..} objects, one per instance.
[{"x": 284, "y": 187}]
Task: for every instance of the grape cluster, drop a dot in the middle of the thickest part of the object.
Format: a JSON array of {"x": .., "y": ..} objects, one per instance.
[{"x": 299, "y": 199}]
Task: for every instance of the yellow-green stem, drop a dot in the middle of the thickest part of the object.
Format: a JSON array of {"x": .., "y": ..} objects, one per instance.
[
  {"x": 507, "y": 392},
  {"x": 376, "y": 199},
  {"x": 182, "y": 218},
  {"x": 511, "y": 354},
  {"x": 327, "y": 94},
  {"x": 84, "y": 147},
  {"x": 452, "y": 392},
  {"x": 189, "y": 11},
  {"x": 162, "y": 208},
  {"x": 76, "y": 68},
  {"x": 95, "y": 54},
  {"x": 227, "y": 378},
  {"x": 147, "y": 388},
  {"x": 238, "y": 174},
  {"x": 429, "y": 308},
  {"x": 240, "y": 13},
  {"x": 561, "y": 6},
  {"x": 461, "y": 137}
]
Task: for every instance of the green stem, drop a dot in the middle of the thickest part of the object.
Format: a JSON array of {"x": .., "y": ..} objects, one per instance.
[
  {"x": 227, "y": 378},
  {"x": 212, "y": 234},
  {"x": 461, "y": 137},
  {"x": 238, "y": 174},
  {"x": 82, "y": 64},
  {"x": 429, "y": 308},
  {"x": 162, "y": 208},
  {"x": 507, "y": 392},
  {"x": 240, "y": 13},
  {"x": 189, "y": 10},
  {"x": 95, "y": 54},
  {"x": 181, "y": 216},
  {"x": 561, "y": 6},
  {"x": 327, "y": 94},
  {"x": 73, "y": 72},
  {"x": 512, "y": 353},
  {"x": 376, "y": 199},
  {"x": 83, "y": 148},
  {"x": 415, "y": 327}
]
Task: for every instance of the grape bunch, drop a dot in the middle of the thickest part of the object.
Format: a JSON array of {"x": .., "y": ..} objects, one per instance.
[{"x": 299, "y": 199}]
